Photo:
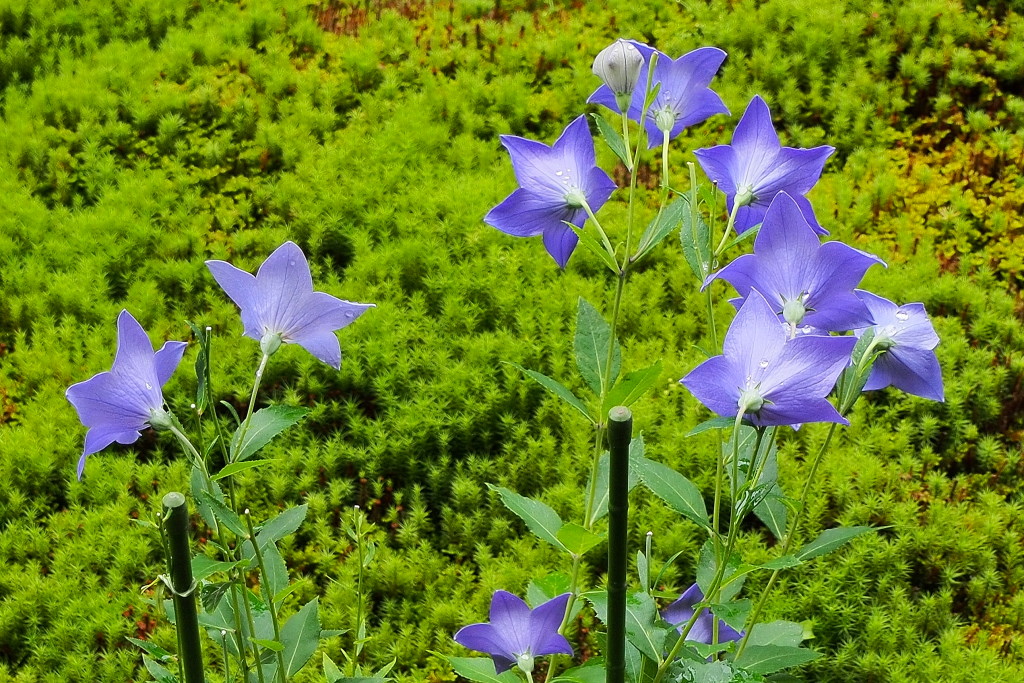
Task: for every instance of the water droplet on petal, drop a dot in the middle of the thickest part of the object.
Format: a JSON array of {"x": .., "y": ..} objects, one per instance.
[
  {"x": 148, "y": 385},
  {"x": 763, "y": 363},
  {"x": 349, "y": 314},
  {"x": 558, "y": 173},
  {"x": 902, "y": 315}
]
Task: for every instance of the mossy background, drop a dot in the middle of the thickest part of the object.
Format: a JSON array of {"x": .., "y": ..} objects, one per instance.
[{"x": 140, "y": 138}]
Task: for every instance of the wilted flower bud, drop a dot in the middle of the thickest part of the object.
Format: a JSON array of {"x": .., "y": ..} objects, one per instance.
[{"x": 619, "y": 66}]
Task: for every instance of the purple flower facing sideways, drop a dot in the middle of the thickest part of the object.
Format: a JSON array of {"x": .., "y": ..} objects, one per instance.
[
  {"x": 118, "y": 404},
  {"x": 279, "y": 305},
  {"x": 554, "y": 184},
  {"x": 681, "y": 611},
  {"x": 909, "y": 340},
  {"x": 684, "y": 98},
  {"x": 806, "y": 282},
  {"x": 756, "y": 167},
  {"x": 772, "y": 379},
  {"x": 517, "y": 634}
]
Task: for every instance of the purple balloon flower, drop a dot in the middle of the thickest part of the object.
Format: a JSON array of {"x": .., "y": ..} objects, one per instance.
[
  {"x": 909, "y": 340},
  {"x": 772, "y": 379},
  {"x": 755, "y": 168},
  {"x": 118, "y": 404},
  {"x": 681, "y": 611},
  {"x": 554, "y": 184},
  {"x": 517, "y": 634},
  {"x": 806, "y": 282},
  {"x": 684, "y": 98},
  {"x": 279, "y": 305}
]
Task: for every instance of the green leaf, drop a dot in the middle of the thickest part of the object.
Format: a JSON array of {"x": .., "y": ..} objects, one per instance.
[
  {"x": 641, "y": 624},
  {"x": 277, "y": 571},
  {"x": 675, "y": 489},
  {"x": 159, "y": 673},
  {"x": 634, "y": 385},
  {"x": 481, "y": 670},
  {"x": 593, "y": 334},
  {"x": 203, "y": 567},
  {"x": 830, "y": 539},
  {"x": 551, "y": 586},
  {"x": 710, "y": 672},
  {"x": 761, "y": 660},
  {"x": 224, "y": 515},
  {"x": 695, "y": 238},
  {"x": 733, "y": 613},
  {"x": 784, "y": 562},
  {"x": 198, "y": 483},
  {"x": 269, "y": 644},
  {"x": 643, "y": 570},
  {"x": 787, "y": 633},
  {"x": 772, "y": 510},
  {"x": 661, "y": 227},
  {"x": 595, "y": 247},
  {"x": 152, "y": 649},
  {"x": 283, "y": 524},
  {"x": 588, "y": 673},
  {"x": 612, "y": 138},
  {"x": 236, "y": 467},
  {"x": 558, "y": 390},
  {"x": 210, "y": 594},
  {"x": 263, "y": 426},
  {"x": 300, "y": 636},
  {"x": 540, "y": 519},
  {"x": 706, "y": 568},
  {"x": 331, "y": 671},
  {"x": 636, "y": 451},
  {"x": 576, "y": 539},
  {"x": 713, "y": 423},
  {"x": 747, "y": 235}
]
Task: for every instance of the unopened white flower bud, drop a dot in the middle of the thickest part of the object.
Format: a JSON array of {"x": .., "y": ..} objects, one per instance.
[{"x": 619, "y": 66}]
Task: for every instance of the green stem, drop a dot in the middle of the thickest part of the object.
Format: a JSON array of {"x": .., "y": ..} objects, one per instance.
[
  {"x": 728, "y": 230},
  {"x": 282, "y": 674},
  {"x": 252, "y": 398},
  {"x": 604, "y": 236},
  {"x": 790, "y": 535},
  {"x": 625, "y": 139},
  {"x": 175, "y": 519}
]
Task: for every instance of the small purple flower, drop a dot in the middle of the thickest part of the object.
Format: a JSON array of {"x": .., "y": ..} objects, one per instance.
[
  {"x": 517, "y": 634},
  {"x": 554, "y": 184},
  {"x": 681, "y": 611},
  {"x": 756, "y": 167},
  {"x": 909, "y": 340},
  {"x": 279, "y": 305},
  {"x": 684, "y": 98},
  {"x": 806, "y": 282},
  {"x": 118, "y": 404},
  {"x": 772, "y": 379}
]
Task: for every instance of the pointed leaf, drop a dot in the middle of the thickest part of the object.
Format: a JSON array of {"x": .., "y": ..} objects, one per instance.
[
  {"x": 713, "y": 423},
  {"x": 540, "y": 519},
  {"x": 558, "y": 390},
  {"x": 695, "y": 237},
  {"x": 611, "y": 136},
  {"x": 662, "y": 226},
  {"x": 224, "y": 515},
  {"x": 593, "y": 334},
  {"x": 203, "y": 567},
  {"x": 641, "y": 624},
  {"x": 592, "y": 245},
  {"x": 202, "y": 367},
  {"x": 830, "y": 539},
  {"x": 576, "y": 539},
  {"x": 158, "y": 672},
  {"x": 481, "y": 670},
  {"x": 788, "y": 633},
  {"x": 236, "y": 467},
  {"x": 634, "y": 385},
  {"x": 263, "y": 426},
  {"x": 283, "y": 524},
  {"x": 761, "y": 660},
  {"x": 675, "y": 489},
  {"x": 300, "y": 636},
  {"x": 541, "y": 590}
]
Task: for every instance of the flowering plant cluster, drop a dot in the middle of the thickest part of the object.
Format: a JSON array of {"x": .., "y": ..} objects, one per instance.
[{"x": 803, "y": 345}]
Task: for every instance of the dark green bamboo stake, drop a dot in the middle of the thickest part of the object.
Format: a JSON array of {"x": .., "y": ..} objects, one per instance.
[
  {"x": 620, "y": 432},
  {"x": 180, "y": 562}
]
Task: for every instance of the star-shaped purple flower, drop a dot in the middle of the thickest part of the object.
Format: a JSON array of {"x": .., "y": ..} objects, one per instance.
[
  {"x": 681, "y": 611},
  {"x": 909, "y": 340},
  {"x": 772, "y": 379},
  {"x": 554, "y": 184},
  {"x": 806, "y": 282},
  {"x": 517, "y": 634},
  {"x": 118, "y": 404},
  {"x": 756, "y": 167},
  {"x": 684, "y": 98},
  {"x": 279, "y": 305}
]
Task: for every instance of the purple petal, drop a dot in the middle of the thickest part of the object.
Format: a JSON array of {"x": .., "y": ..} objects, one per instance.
[
  {"x": 598, "y": 187},
  {"x": 721, "y": 165},
  {"x": 102, "y": 401},
  {"x": 535, "y": 165},
  {"x": 239, "y": 285},
  {"x": 755, "y": 139},
  {"x": 133, "y": 364},
  {"x": 282, "y": 283},
  {"x": 605, "y": 97},
  {"x": 680, "y": 611},
  {"x": 510, "y": 617},
  {"x": 560, "y": 243},
  {"x": 166, "y": 360},
  {"x": 99, "y": 438},
  {"x": 484, "y": 638},
  {"x": 808, "y": 211},
  {"x": 754, "y": 336},
  {"x": 324, "y": 346},
  {"x": 545, "y": 620},
  {"x": 576, "y": 146},
  {"x": 716, "y": 384},
  {"x": 793, "y": 170},
  {"x": 524, "y": 213},
  {"x": 915, "y": 371}
]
